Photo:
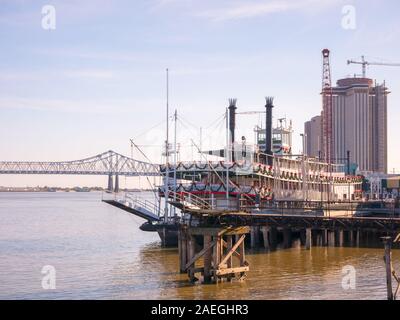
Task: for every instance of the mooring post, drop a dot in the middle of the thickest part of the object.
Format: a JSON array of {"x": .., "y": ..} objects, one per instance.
[
  {"x": 308, "y": 238},
  {"x": 389, "y": 268}
]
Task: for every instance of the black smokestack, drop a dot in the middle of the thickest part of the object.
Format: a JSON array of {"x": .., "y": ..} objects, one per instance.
[
  {"x": 268, "y": 126},
  {"x": 232, "y": 123}
]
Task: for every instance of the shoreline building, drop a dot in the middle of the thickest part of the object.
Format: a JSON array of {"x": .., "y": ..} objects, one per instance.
[{"x": 359, "y": 124}]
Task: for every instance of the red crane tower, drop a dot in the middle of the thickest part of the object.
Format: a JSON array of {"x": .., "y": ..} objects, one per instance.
[{"x": 327, "y": 141}]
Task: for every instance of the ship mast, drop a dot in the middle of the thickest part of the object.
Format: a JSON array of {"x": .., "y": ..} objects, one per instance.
[
  {"x": 166, "y": 184},
  {"x": 175, "y": 156},
  {"x": 227, "y": 151}
]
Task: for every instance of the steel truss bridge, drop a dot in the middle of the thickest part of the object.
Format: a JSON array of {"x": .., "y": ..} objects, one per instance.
[{"x": 107, "y": 163}]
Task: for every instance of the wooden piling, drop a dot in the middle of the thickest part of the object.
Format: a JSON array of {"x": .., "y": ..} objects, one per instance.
[
  {"x": 308, "y": 238},
  {"x": 325, "y": 237},
  {"x": 389, "y": 267},
  {"x": 273, "y": 238},
  {"x": 182, "y": 249},
  {"x": 303, "y": 237},
  {"x": 207, "y": 259},
  {"x": 228, "y": 249},
  {"x": 192, "y": 253},
  {"x": 287, "y": 238},
  {"x": 266, "y": 231},
  {"x": 254, "y": 237},
  {"x": 331, "y": 238},
  {"x": 319, "y": 239},
  {"x": 358, "y": 237},
  {"x": 351, "y": 237},
  {"x": 339, "y": 238}
]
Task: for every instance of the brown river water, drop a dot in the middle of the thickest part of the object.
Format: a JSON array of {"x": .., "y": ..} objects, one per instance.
[{"x": 98, "y": 252}]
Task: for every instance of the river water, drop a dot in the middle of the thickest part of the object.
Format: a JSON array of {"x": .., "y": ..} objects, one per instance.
[{"x": 98, "y": 252}]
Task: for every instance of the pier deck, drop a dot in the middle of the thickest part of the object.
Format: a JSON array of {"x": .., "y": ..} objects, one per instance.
[{"x": 290, "y": 220}]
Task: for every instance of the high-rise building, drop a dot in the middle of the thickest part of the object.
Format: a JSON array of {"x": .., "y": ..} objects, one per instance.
[
  {"x": 359, "y": 124},
  {"x": 312, "y": 130}
]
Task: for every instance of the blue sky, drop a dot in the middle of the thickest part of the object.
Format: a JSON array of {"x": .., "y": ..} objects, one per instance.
[{"x": 98, "y": 79}]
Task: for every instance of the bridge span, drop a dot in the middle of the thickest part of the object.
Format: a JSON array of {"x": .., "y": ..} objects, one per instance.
[{"x": 108, "y": 163}]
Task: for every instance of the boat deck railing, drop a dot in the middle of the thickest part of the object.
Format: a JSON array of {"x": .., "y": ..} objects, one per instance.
[{"x": 188, "y": 199}]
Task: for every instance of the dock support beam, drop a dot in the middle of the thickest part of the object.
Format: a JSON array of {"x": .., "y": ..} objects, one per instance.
[
  {"x": 308, "y": 238},
  {"x": 191, "y": 256},
  {"x": 266, "y": 231},
  {"x": 325, "y": 237},
  {"x": 254, "y": 237},
  {"x": 319, "y": 239},
  {"x": 358, "y": 237},
  {"x": 182, "y": 249},
  {"x": 339, "y": 238},
  {"x": 207, "y": 259},
  {"x": 351, "y": 237},
  {"x": 331, "y": 238},
  {"x": 273, "y": 238},
  {"x": 287, "y": 238}
]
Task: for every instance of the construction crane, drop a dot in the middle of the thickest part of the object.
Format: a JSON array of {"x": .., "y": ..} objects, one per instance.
[
  {"x": 327, "y": 137},
  {"x": 364, "y": 64}
]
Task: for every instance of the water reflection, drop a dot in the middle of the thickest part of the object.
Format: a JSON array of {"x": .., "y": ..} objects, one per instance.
[{"x": 293, "y": 273}]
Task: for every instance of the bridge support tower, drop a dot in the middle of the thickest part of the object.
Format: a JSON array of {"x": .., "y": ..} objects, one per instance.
[
  {"x": 110, "y": 183},
  {"x": 116, "y": 188}
]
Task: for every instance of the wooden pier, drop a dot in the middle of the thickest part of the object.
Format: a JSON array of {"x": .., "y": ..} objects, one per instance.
[{"x": 212, "y": 243}]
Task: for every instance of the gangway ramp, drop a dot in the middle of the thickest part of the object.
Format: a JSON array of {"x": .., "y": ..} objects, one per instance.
[{"x": 138, "y": 208}]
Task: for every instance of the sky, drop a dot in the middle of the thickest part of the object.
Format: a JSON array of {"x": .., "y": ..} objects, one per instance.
[{"x": 98, "y": 78}]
